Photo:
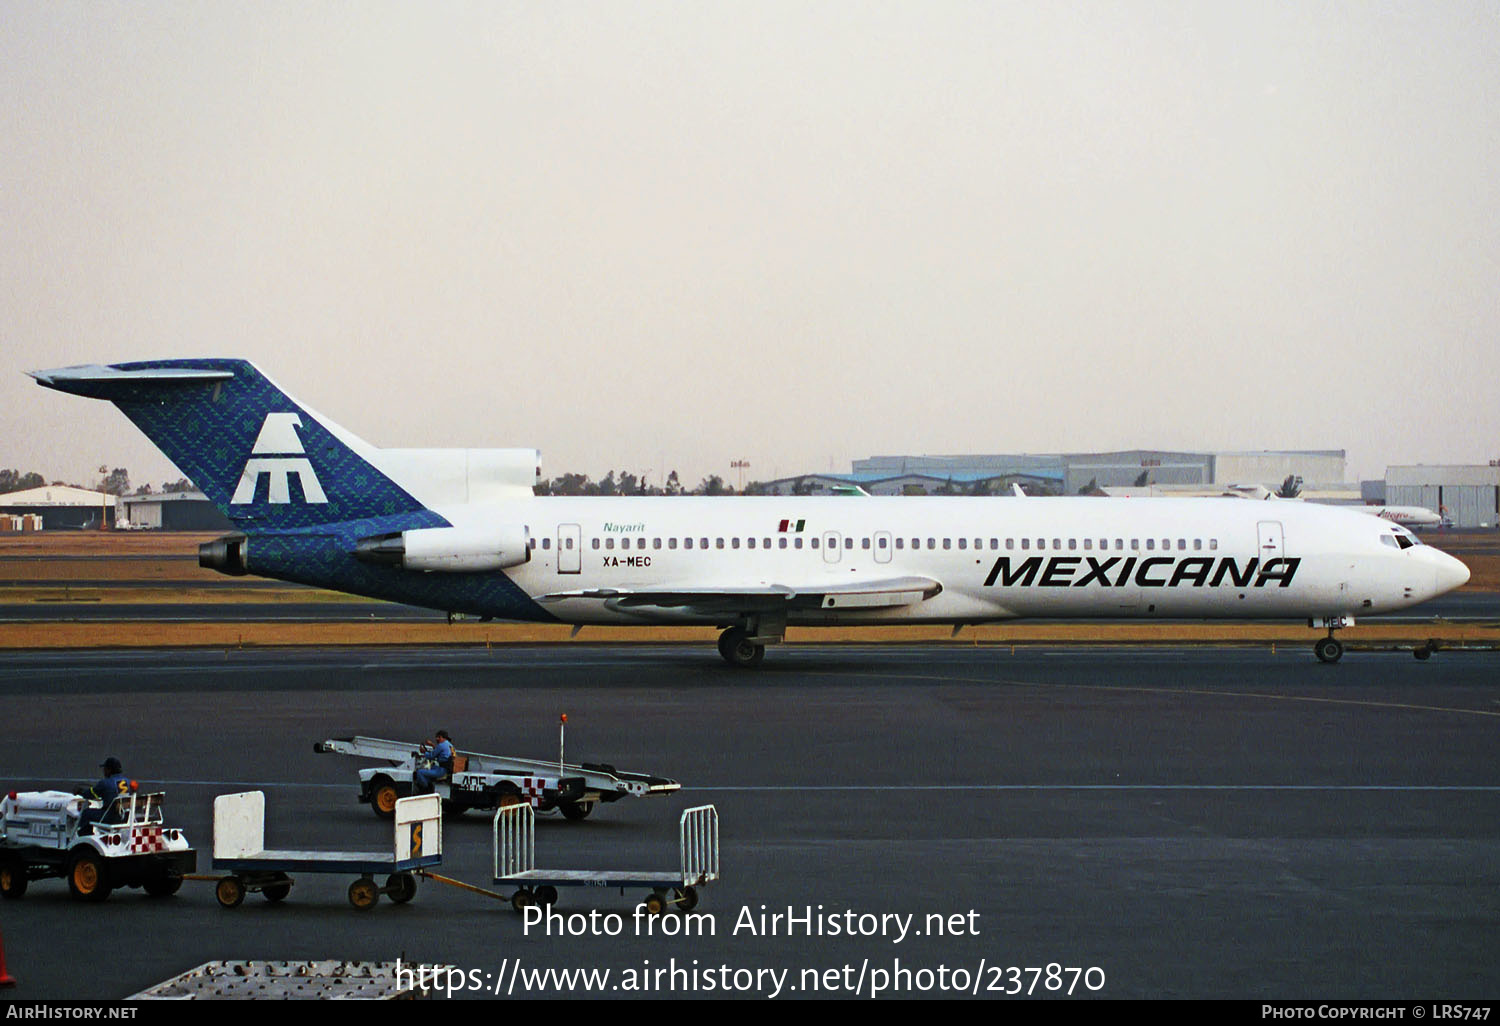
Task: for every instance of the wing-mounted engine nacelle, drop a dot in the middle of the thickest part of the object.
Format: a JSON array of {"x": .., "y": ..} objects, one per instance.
[
  {"x": 461, "y": 550},
  {"x": 226, "y": 555}
]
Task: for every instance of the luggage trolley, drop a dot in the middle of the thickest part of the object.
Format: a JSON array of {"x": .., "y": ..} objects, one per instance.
[
  {"x": 239, "y": 846},
  {"x": 515, "y": 863}
]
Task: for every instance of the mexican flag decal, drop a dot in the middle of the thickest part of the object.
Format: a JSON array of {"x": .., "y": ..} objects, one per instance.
[{"x": 791, "y": 525}]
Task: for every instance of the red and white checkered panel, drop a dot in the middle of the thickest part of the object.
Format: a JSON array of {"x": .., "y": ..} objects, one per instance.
[
  {"x": 147, "y": 840},
  {"x": 532, "y": 789}
]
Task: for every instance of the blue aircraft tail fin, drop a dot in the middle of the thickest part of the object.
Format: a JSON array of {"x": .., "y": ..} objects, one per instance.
[{"x": 265, "y": 460}]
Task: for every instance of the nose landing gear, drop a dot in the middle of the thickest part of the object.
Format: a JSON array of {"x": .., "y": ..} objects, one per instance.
[{"x": 1330, "y": 649}]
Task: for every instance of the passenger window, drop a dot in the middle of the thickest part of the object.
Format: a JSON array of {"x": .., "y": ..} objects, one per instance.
[
  {"x": 718, "y": 543},
  {"x": 796, "y": 543},
  {"x": 899, "y": 542},
  {"x": 864, "y": 543},
  {"x": 1072, "y": 544},
  {"x": 947, "y": 543},
  {"x": 1088, "y": 545},
  {"x": 734, "y": 543},
  {"x": 963, "y": 543},
  {"x": 703, "y": 543},
  {"x": 813, "y": 542},
  {"x": 656, "y": 543},
  {"x": 1213, "y": 544},
  {"x": 671, "y": 543},
  {"x": 782, "y": 543},
  {"x": 1025, "y": 544},
  {"x": 595, "y": 541},
  {"x": 1010, "y": 543},
  {"x": 1150, "y": 544},
  {"x": 1197, "y": 544},
  {"x": 570, "y": 544},
  {"x": 531, "y": 544},
  {"x": 880, "y": 543},
  {"x": 932, "y": 543}
]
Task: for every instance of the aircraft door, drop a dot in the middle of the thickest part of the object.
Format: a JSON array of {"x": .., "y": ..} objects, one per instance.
[
  {"x": 882, "y": 546},
  {"x": 833, "y": 548},
  {"x": 569, "y": 549},
  {"x": 1270, "y": 541}
]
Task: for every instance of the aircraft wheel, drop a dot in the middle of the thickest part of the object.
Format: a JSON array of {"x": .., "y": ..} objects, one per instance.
[
  {"x": 1328, "y": 650},
  {"x": 230, "y": 891},
  {"x": 363, "y": 894},
  {"x": 383, "y": 795},
  {"x": 86, "y": 877},
  {"x": 737, "y": 649}
]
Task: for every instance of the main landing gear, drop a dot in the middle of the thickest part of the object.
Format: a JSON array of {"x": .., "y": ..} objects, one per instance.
[{"x": 740, "y": 648}]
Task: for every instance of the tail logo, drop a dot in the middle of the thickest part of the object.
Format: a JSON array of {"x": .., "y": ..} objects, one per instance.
[{"x": 278, "y": 453}]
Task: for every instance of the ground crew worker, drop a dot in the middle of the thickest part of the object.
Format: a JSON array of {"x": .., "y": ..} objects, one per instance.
[
  {"x": 440, "y": 751},
  {"x": 114, "y": 784}
]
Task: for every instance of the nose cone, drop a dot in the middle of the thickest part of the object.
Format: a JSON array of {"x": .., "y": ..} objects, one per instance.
[{"x": 1449, "y": 573}]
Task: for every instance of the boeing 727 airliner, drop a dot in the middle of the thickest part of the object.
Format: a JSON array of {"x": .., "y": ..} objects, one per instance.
[{"x": 460, "y": 530}]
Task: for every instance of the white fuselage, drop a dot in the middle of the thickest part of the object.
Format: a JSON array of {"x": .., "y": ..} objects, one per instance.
[{"x": 994, "y": 558}]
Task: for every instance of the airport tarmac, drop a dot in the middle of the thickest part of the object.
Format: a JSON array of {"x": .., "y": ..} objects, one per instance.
[{"x": 1189, "y": 822}]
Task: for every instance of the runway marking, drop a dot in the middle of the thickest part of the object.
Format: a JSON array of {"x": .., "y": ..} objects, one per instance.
[
  {"x": 888, "y": 788},
  {"x": 1177, "y": 691}
]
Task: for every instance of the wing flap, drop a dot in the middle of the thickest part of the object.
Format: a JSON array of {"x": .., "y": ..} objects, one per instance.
[{"x": 899, "y": 591}]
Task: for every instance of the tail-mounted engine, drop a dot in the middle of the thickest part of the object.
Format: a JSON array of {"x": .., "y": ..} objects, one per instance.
[
  {"x": 463, "y": 550},
  {"x": 226, "y": 555}
]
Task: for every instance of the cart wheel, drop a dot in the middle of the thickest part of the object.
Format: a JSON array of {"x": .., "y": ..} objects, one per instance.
[
  {"x": 230, "y": 891},
  {"x": 363, "y": 894},
  {"x": 278, "y": 889},
  {"x": 86, "y": 877},
  {"x": 687, "y": 899},
  {"x": 655, "y": 904},
  {"x": 12, "y": 877},
  {"x": 576, "y": 810},
  {"x": 163, "y": 886},
  {"x": 383, "y": 795},
  {"x": 521, "y": 899},
  {"x": 546, "y": 895},
  {"x": 402, "y": 887}
]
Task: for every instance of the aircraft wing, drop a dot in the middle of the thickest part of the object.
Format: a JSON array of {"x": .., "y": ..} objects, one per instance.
[{"x": 895, "y": 591}]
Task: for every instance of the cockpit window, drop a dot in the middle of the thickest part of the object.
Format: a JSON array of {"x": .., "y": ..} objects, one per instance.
[{"x": 1401, "y": 539}]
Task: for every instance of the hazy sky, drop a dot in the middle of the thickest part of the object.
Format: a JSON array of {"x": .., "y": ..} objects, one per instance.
[{"x": 643, "y": 235}]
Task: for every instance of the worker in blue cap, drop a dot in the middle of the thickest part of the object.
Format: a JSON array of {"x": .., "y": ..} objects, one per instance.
[{"x": 113, "y": 784}]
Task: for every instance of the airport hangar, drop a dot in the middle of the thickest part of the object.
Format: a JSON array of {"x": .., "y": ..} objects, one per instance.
[{"x": 1074, "y": 473}]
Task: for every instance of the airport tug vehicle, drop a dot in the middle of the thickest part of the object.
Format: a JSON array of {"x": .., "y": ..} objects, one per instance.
[
  {"x": 239, "y": 847},
  {"x": 480, "y": 781},
  {"x": 42, "y": 835}
]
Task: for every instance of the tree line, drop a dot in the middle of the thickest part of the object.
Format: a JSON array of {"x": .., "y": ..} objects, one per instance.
[{"x": 114, "y": 482}]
